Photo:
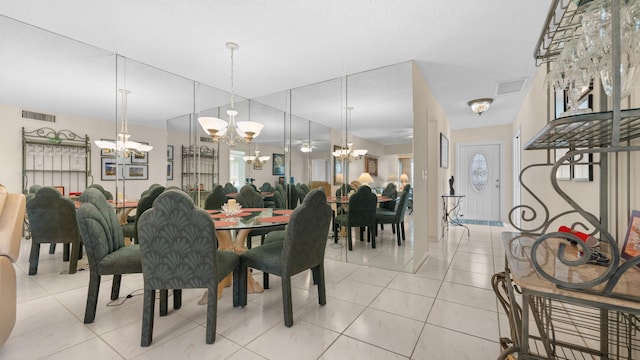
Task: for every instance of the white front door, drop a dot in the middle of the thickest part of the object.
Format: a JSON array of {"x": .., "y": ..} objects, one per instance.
[{"x": 478, "y": 169}]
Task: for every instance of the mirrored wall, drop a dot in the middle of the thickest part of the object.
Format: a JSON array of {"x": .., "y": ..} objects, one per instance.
[{"x": 79, "y": 84}]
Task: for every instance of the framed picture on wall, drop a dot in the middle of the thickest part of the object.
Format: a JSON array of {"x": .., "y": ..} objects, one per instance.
[
  {"x": 108, "y": 169},
  {"x": 278, "y": 164},
  {"x": 169, "y": 170},
  {"x": 371, "y": 165},
  {"x": 338, "y": 171},
  {"x": 136, "y": 172},
  {"x": 107, "y": 152},
  {"x": 169, "y": 152},
  {"x": 140, "y": 157},
  {"x": 444, "y": 151}
]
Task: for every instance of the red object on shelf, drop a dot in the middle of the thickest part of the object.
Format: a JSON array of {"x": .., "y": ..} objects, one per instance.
[{"x": 586, "y": 238}]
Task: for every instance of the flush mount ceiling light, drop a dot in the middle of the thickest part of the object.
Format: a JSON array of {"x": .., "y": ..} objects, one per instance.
[
  {"x": 231, "y": 132},
  {"x": 479, "y": 106}
]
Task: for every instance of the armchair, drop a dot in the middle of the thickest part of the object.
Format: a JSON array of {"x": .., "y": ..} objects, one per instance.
[
  {"x": 104, "y": 243},
  {"x": 178, "y": 250},
  {"x": 52, "y": 219},
  {"x": 361, "y": 213},
  {"x": 11, "y": 219},
  {"x": 303, "y": 248}
]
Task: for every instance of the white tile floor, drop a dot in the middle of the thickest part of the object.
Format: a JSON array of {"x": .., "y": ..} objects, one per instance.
[{"x": 446, "y": 310}]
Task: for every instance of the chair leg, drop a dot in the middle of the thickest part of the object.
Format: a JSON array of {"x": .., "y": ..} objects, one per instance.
[
  {"x": 372, "y": 235},
  {"x": 402, "y": 227},
  {"x": 236, "y": 287},
  {"x": 115, "y": 288},
  {"x": 34, "y": 256},
  {"x": 177, "y": 298},
  {"x": 65, "y": 251},
  {"x": 350, "y": 243},
  {"x": 393, "y": 228},
  {"x": 265, "y": 280},
  {"x": 148, "y": 308},
  {"x": 398, "y": 234},
  {"x": 287, "y": 305},
  {"x": 92, "y": 298},
  {"x": 52, "y": 248},
  {"x": 318, "y": 273},
  {"x": 164, "y": 302},
  {"x": 362, "y": 234},
  {"x": 75, "y": 254},
  {"x": 212, "y": 310}
]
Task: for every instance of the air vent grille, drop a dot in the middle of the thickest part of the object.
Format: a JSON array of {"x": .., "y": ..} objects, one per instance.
[
  {"x": 506, "y": 87},
  {"x": 206, "y": 139},
  {"x": 38, "y": 116}
]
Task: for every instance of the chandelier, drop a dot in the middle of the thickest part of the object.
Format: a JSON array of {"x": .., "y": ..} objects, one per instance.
[
  {"x": 346, "y": 151},
  {"x": 306, "y": 148},
  {"x": 257, "y": 159},
  {"x": 479, "y": 106},
  {"x": 123, "y": 147},
  {"x": 231, "y": 132}
]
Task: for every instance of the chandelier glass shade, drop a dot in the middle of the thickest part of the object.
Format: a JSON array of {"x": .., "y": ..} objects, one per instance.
[
  {"x": 230, "y": 132},
  {"x": 257, "y": 159},
  {"x": 306, "y": 148},
  {"x": 123, "y": 147}
]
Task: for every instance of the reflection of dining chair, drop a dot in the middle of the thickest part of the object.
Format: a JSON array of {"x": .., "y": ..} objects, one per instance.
[
  {"x": 52, "y": 219},
  {"x": 304, "y": 190},
  {"x": 216, "y": 198},
  {"x": 292, "y": 196},
  {"x": 130, "y": 229},
  {"x": 392, "y": 193},
  {"x": 107, "y": 194},
  {"x": 12, "y": 212},
  {"x": 267, "y": 187},
  {"x": 278, "y": 200},
  {"x": 104, "y": 243},
  {"x": 395, "y": 217},
  {"x": 248, "y": 197},
  {"x": 303, "y": 248},
  {"x": 229, "y": 188},
  {"x": 178, "y": 250},
  {"x": 361, "y": 213}
]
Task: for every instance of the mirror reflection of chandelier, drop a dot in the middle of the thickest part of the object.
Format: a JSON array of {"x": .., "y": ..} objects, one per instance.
[
  {"x": 346, "y": 151},
  {"x": 123, "y": 147},
  {"x": 231, "y": 132},
  {"x": 306, "y": 148},
  {"x": 257, "y": 159}
]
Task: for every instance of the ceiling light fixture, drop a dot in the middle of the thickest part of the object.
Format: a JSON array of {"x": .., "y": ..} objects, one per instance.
[
  {"x": 123, "y": 147},
  {"x": 479, "y": 106},
  {"x": 306, "y": 148},
  {"x": 346, "y": 151},
  {"x": 257, "y": 159},
  {"x": 230, "y": 132}
]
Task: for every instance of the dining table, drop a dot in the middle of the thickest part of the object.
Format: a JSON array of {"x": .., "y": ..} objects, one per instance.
[
  {"x": 241, "y": 223},
  {"x": 123, "y": 208}
]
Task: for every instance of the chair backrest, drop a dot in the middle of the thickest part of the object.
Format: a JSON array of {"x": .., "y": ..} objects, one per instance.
[
  {"x": 306, "y": 234},
  {"x": 391, "y": 192},
  {"x": 229, "y": 188},
  {"x": 107, "y": 194},
  {"x": 362, "y": 207},
  {"x": 52, "y": 217},
  {"x": 177, "y": 244},
  {"x": 101, "y": 232},
  {"x": 304, "y": 191},
  {"x": 401, "y": 209},
  {"x": 34, "y": 188},
  {"x": 266, "y": 187},
  {"x": 146, "y": 203},
  {"x": 248, "y": 197},
  {"x": 278, "y": 199},
  {"x": 216, "y": 198}
]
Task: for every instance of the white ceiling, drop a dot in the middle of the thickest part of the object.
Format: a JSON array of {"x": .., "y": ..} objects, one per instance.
[{"x": 464, "y": 48}]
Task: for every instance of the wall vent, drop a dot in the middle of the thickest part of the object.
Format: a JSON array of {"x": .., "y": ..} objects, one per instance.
[
  {"x": 38, "y": 116},
  {"x": 206, "y": 139},
  {"x": 506, "y": 87}
]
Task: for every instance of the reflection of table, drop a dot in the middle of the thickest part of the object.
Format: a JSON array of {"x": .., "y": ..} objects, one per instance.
[
  {"x": 255, "y": 218},
  {"x": 123, "y": 208},
  {"x": 451, "y": 215}
]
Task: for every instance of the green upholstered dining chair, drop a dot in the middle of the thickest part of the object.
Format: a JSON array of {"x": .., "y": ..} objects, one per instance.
[
  {"x": 52, "y": 219},
  {"x": 267, "y": 187},
  {"x": 391, "y": 192},
  {"x": 216, "y": 198},
  {"x": 179, "y": 250},
  {"x": 361, "y": 213},
  {"x": 278, "y": 200},
  {"x": 292, "y": 196},
  {"x": 145, "y": 203},
  {"x": 304, "y": 190},
  {"x": 229, "y": 188},
  {"x": 302, "y": 248},
  {"x": 102, "y": 236},
  {"x": 395, "y": 217},
  {"x": 248, "y": 197},
  {"x": 107, "y": 194}
]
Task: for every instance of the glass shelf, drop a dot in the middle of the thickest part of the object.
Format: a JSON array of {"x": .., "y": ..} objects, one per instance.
[{"x": 586, "y": 131}]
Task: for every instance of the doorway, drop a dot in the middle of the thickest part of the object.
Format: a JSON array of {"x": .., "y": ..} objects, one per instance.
[{"x": 478, "y": 169}]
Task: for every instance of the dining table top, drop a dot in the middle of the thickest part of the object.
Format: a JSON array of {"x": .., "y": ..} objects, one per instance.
[{"x": 250, "y": 218}]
